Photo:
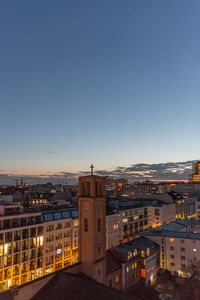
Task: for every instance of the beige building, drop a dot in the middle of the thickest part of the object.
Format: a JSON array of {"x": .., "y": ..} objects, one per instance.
[
  {"x": 113, "y": 229},
  {"x": 159, "y": 214},
  {"x": 33, "y": 244},
  {"x": 124, "y": 224}
]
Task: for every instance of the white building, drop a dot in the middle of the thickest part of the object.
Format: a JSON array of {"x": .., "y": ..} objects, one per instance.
[
  {"x": 159, "y": 214},
  {"x": 113, "y": 229},
  {"x": 179, "y": 244}
]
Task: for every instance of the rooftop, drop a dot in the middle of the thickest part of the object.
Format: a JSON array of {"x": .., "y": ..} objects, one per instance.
[
  {"x": 174, "y": 229},
  {"x": 178, "y": 234},
  {"x": 140, "y": 243},
  {"x": 64, "y": 286}
]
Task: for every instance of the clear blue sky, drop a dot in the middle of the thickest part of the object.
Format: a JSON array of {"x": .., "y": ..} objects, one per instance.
[{"x": 110, "y": 82}]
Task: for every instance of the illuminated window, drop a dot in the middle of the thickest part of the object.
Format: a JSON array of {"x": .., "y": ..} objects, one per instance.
[
  {"x": 129, "y": 255},
  {"x": 125, "y": 220},
  {"x": 143, "y": 253},
  {"x": 194, "y": 250},
  {"x": 148, "y": 252},
  {"x": 135, "y": 252},
  {"x": 117, "y": 278},
  {"x": 171, "y": 240},
  {"x": 143, "y": 273},
  {"x": 41, "y": 240}
]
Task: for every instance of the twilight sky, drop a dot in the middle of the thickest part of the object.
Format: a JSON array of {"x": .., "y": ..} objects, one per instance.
[{"x": 114, "y": 83}]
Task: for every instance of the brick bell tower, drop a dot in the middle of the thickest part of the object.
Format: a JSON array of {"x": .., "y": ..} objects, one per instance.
[{"x": 92, "y": 226}]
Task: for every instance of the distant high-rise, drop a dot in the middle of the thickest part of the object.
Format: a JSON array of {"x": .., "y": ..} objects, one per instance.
[{"x": 195, "y": 177}]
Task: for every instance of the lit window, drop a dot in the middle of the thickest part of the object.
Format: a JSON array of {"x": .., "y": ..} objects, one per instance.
[
  {"x": 171, "y": 240},
  {"x": 135, "y": 252},
  {"x": 117, "y": 278},
  {"x": 125, "y": 220},
  {"x": 6, "y": 249},
  {"x": 143, "y": 273},
  {"x": 148, "y": 252},
  {"x": 194, "y": 249},
  {"x": 129, "y": 255},
  {"x": 41, "y": 240}
]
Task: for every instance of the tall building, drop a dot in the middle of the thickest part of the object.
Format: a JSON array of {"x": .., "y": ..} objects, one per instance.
[
  {"x": 92, "y": 229},
  {"x": 195, "y": 177}
]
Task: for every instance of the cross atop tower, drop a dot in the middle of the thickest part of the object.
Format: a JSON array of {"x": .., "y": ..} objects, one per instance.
[{"x": 92, "y": 169}]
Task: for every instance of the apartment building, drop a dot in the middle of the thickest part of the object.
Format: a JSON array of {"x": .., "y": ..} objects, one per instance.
[
  {"x": 136, "y": 262},
  {"x": 113, "y": 229},
  {"x": 123, "y": 222},
  {"x": 127, "y": 219},
  {"x": 33, "y": 244},
  {"x": 132, "y": 221},
  {"x": 179, "y": 244},
  {"x": 159, "y": 214}
]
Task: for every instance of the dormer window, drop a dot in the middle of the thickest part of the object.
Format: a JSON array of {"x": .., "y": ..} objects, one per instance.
[
  {"x": 135, "y": 252},
  {"x": 129, "y": 255},
  {"x": 148, "y": 252}
]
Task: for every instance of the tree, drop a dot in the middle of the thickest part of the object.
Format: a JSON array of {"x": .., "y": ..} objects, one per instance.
[{"x": 192, "y": 271}]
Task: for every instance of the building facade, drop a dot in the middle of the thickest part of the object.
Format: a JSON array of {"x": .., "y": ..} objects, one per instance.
[
  {"x": 179, "y": 244},
  {"x": 33, "y": 244},
  {"x": 137, "y": 264},
  {"x": 159, "y": 214}
]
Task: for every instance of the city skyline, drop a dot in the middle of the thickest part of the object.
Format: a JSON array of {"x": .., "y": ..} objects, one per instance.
[
  {"x": 171, "y": 171},
  {"x": 99, "y": 154}
]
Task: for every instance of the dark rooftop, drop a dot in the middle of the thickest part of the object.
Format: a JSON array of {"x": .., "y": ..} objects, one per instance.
[
  {"x": 140, "y": 243},
  {"x": 65, "y": 286}
]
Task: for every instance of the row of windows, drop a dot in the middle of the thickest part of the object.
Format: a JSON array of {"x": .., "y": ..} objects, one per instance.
[
  {"x": 60, "y": 215},
  {"x": 17, "y": 246},
  {"x": 182, "y": 265},
  {"x": 20, "y": 222},
  {"x": 59, "y": 236},
  {"x": 9, "y": 260},
  {"x": 21, "y": 234}
]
